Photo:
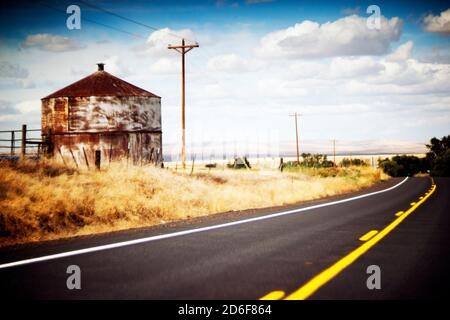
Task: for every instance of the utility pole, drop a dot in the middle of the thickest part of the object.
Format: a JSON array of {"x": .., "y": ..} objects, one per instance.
[
  {"x": 334, "y": 152},
  {"x": 183, "y": 49},
  {"x": 296, "y": 115}
]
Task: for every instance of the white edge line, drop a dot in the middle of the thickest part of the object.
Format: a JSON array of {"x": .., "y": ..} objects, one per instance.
[{"x": 185, "y": 232}]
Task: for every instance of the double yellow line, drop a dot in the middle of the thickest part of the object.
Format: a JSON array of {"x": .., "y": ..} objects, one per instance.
[{"x": 371, "y": 239}]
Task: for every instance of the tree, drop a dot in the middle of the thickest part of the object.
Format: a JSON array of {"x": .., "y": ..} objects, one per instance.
[
  {"x": 438, "y": 156},
  {"x": 438, "y": 147},
  {"x": 436, "y": 161},
  {"x": 401, "y": 166}
]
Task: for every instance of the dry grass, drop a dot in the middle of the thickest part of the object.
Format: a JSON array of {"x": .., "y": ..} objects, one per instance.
[{"x": 42, "y": 201}]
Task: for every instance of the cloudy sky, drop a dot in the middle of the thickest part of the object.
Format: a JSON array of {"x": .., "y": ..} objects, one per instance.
[{"x": 373, "y": 85}]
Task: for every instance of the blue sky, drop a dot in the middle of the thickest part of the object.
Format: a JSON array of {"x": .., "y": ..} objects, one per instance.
[
  {"x": 19, "y": 17},
  {"x": 258, "y": 61}
]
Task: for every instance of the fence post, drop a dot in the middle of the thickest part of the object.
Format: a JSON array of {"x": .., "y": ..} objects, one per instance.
[
  {"x": 98, "y": 155},
  {"x": 24, "y": 141},
  {"x": 49, "y": 143},
  {"x": 192, "y": 168},
  {"x": 13, "y": 137}
]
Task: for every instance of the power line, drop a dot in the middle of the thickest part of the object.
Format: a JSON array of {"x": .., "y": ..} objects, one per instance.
[
  {"x": 117, "y": 15},
  {"x": 42, "y": 3},
  {"x": 131, "y": 20}
]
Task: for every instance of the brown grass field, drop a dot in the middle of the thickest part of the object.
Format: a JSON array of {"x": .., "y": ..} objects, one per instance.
[{"x": 46, "y": 200}]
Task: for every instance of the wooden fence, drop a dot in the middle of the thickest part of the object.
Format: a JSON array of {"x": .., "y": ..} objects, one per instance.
[{"x": 19, "y": 139}]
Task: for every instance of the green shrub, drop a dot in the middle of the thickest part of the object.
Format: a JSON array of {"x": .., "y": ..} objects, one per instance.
[
  {"x": 391, "y": 168},
  {"x": 315, "y": 161},
  {"x": 347, "y": 162}
]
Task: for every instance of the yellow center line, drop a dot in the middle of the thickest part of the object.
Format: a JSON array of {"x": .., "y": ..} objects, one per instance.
[
  {"x": 274, "y": 295},
  {"x": 368, "y": 235},
  {"x": 325, "y": 276},
  {"x": 413, "y": 203},
  {"x": 398, "y": 214}
]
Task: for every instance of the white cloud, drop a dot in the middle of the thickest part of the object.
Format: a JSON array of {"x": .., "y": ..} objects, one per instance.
[
  {"x": 409, "y": 78},
  {"x": 437, "y": 54},
  {"x": 165, "y": 66},
  {"x": 116, "y": 66},
  {"x": 337, "y": 68},
  {"x": 402, "y": 53},
  {"x": 348, "y": 36},
  {"x": 230, "y": 63},
  {"x": 416, "y": 77},
  {"x": 157, "y": 42},
  {"x": 25, "y": 83},
  {"x": 439, "y": 24},
  {"x": 12, "y": 70},
  {"x": 307, "y": 69},
  {"x": 49, "y": 42},
  {"x": 384, "y": 76},
  {"x": 11, "y": 115},
  {"x": 29, "y": 106},
  {"x": 6, "y": 107},
  {"x": 349, "y": 67}
]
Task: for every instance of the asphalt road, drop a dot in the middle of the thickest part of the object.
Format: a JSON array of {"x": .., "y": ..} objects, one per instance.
[{"x": 263, "y": 255}]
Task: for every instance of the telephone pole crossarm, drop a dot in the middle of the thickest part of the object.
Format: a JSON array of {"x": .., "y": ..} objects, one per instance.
[{"x": 188, "y": 46}]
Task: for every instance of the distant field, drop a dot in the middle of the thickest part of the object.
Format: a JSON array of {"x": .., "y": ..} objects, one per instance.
[
  {"x": 273, "y": 162},
  {"x": 46, "y": 200}
]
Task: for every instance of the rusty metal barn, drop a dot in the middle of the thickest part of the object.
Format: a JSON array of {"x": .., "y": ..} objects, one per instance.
[{"x": 104, "y": 114}]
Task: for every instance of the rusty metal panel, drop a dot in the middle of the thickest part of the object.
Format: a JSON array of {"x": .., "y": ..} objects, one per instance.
[
  {"x": 113, "y": 146},
  {"x": 55, "y": 115},
  {"x": 100, "y": 83},
  {"x": 60, "y": 116},
  {"x": 145, "y": 147},
  {"x": 102, "y": 112},
  {"x": 46, "y": 115},
  {"x": 97, "y": 114},
  {"x": 78, "y": 113},
  {"x": 137, "y": 147}
]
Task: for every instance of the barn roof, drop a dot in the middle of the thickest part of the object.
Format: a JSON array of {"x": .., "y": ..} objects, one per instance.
[{"x": 100, "y": 83}]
